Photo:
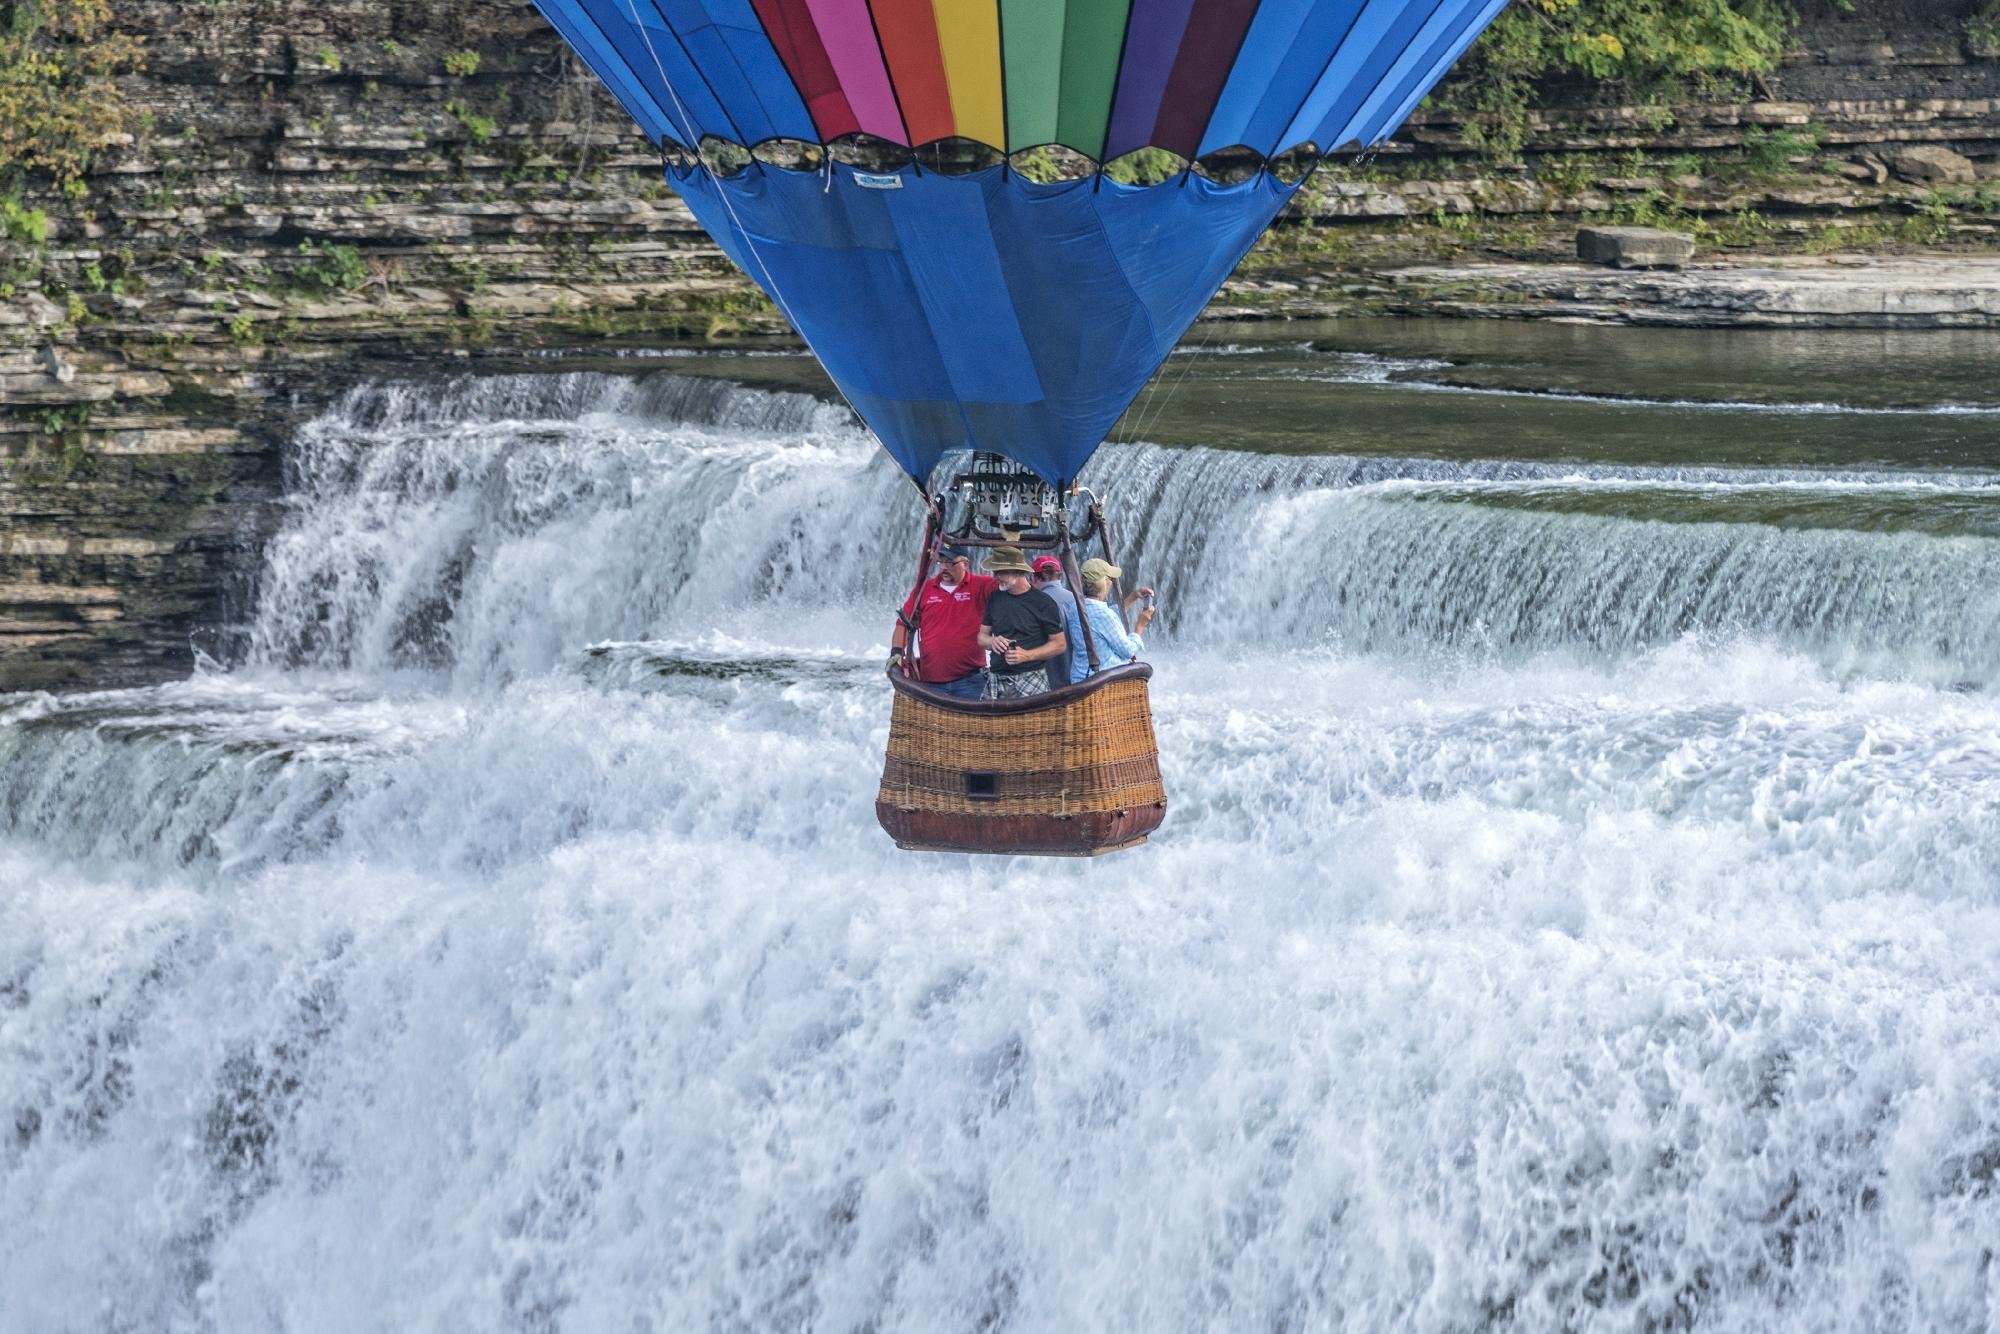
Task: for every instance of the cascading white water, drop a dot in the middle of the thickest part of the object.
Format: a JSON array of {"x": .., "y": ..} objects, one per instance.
[
  {"x": 498, "y": 525},
  {"x": 1571, "y": 914},
  {"x": 492, "y": 526}
]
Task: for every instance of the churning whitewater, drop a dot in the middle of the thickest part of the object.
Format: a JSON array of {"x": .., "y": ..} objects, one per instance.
[{"x": 1576, "y": 908}]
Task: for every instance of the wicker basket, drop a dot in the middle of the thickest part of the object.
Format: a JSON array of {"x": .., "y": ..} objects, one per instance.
[{"x": 1074, "y": 772}]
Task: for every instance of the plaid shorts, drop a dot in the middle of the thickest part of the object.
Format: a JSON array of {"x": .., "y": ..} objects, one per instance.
[{"x": 1019, "y": 685}]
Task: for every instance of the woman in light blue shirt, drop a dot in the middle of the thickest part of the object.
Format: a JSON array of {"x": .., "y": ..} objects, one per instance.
[{"x": 1115, "y": 644}]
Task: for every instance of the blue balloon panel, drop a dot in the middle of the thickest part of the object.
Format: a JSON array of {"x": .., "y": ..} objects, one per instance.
[{"x": 984, "y": 311}]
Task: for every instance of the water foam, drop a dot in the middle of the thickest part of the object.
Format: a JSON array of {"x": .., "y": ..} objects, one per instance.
[
  {"x": 488, "y": 527},
  {"x": 510, "y": 944}
]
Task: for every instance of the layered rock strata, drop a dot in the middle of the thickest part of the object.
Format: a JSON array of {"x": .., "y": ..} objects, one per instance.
[{"x": 321, "y": 184}]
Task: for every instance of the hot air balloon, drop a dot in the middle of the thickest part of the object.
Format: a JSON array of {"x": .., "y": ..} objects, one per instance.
[{"x": 981, "y": 314}]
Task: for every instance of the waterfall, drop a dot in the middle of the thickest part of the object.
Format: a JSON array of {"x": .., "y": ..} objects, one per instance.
[
  {"x": 488, "y": 526},
  {"x": 1576, "y": 908}
]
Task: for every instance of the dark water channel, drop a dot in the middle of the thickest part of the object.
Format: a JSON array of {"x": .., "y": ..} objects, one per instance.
[{"x": 1478, "y": 389}]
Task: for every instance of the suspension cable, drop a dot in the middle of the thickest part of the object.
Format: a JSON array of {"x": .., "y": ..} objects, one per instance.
[{"x": 749, "y": 242}]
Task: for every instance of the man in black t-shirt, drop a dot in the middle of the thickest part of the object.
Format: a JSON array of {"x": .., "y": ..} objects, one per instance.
[{"x": 1022, "y": 632}]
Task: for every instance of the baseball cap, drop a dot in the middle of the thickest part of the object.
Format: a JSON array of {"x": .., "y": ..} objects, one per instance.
[{"x": 1098, "y": 568}]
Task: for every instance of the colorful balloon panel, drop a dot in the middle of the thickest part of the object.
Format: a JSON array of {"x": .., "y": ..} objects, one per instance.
[{"x": 1103, "y": 77}]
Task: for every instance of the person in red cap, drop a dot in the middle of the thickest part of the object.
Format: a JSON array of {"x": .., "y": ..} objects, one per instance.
[
  {"x": 1049, "y": 578},
  {"x": 949, "y": 609}
]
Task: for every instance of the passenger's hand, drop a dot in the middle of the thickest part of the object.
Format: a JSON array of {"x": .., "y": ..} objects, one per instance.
[
  {"x": 1142, "y": 592},
  {"x": 1001, "y": 644},
  {"x": 1015, "y": 656}
]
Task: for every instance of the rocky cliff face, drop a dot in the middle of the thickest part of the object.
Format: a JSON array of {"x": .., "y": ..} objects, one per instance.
[
  {"x": 1868, "y": 75},
  {"x": 320, "y": 184},
  {"x": 326, "y": 183}
]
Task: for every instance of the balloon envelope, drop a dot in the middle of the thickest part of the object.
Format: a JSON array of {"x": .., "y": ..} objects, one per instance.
[
  {"x": 988, "y": 311},
  {"x": 985, "y": 311}
]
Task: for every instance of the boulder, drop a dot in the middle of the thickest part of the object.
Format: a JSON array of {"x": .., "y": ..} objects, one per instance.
[
  {"x": 1930, "y": 164},
  {"x": 1634, "y": 247}
]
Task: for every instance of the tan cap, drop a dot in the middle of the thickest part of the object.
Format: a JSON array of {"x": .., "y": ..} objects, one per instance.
[
  {"x": 1006, "y": 560},
  {"x": 1097, "y": 568}
]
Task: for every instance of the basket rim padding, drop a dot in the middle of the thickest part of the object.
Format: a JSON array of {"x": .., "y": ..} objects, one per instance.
[{"x": 1051, "y": 699}]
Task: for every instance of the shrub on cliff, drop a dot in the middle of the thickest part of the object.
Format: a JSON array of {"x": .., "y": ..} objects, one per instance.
[
  {"x": 1651, "y": 50},
  {"x": 59, "y": 99}
]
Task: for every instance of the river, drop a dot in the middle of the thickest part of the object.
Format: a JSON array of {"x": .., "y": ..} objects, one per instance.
[{"x": 1576, "y": 907}]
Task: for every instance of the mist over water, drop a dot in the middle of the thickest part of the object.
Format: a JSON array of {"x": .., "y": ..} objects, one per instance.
[{"x": 1576, "y": 909}]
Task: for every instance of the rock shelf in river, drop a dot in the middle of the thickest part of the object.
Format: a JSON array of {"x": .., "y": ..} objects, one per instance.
[{"x": 1841, "y": 292}]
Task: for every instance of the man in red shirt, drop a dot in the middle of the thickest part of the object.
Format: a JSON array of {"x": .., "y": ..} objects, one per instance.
[{"x": 948, "y": 610}]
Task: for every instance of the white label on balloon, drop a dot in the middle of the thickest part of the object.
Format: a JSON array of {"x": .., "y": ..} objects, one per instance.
[{"x": 878, "y": 182}]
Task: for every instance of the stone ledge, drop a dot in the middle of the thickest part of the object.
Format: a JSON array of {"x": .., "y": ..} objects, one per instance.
[
  {"x": 1954, "y": 292},
  {"x": 38, "y": 594},
  {"x": 27, "y": 544},
  {"x": 176, "y": 440},
  {"x": 1634, "y": 247}
]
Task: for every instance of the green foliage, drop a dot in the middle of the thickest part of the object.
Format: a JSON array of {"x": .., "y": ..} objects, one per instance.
[
  {"x": 1145, "y": 166},
  {"x": 63, "y": 454},
  {"x": 329, "y": 57},
  {"x": 59, "y": 99},
  {"x": 1037, "y": 164},
  {"x": 1654, "y": 48},
  {"x": 1770, "y": 151},
  {"x": 461, "y": 64},
  {"x": 1930, "y": 223},
  {"x": 1568, "y": 174},
  {"x": 1302, "y": 244},
  {"x": 724, "y": 158},
  {"x": 1982, "y": 30},
  {"x": 481, "y": 128},
  {"x": 113, "y": 274},
  {"x": 715, "y": 315},
  {"x": 330, "y": 268},
  {"x": 1747, "y": 228},
  {"x": 26, "y": 226}
]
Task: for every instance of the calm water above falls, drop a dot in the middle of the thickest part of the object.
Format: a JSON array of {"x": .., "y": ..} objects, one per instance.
[{"x": 1579, "y": 906}]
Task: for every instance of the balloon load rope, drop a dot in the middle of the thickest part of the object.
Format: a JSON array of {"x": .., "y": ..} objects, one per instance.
[
  {"x": 736, "y": 220},
  {"x": 1063, "y": 541},
  {"x": 933, "y": 517},
  {"x": 1074, "y": 574},
  {"x": 1138, "y": 421}
]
